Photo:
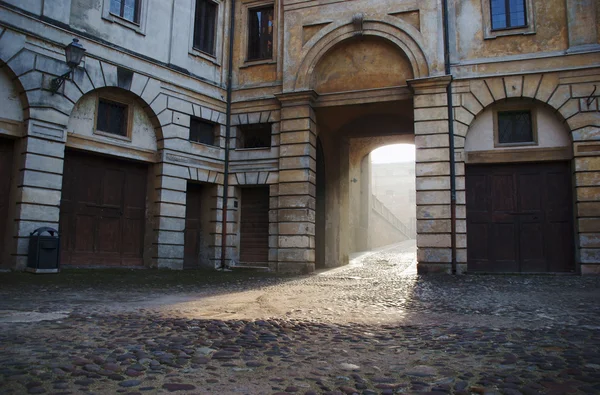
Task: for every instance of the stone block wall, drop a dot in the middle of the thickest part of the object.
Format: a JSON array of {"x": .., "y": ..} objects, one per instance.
[
  {"x": 297, "y": 183},
  {"x": 432, "y": 170}
]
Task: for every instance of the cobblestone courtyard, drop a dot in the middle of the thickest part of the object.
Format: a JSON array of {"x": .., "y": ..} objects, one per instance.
[{"x": 373, "y": 327}]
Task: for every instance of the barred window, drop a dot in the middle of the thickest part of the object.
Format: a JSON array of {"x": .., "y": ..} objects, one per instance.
[
  {"x": 515, "y": 127},
  {"x": 112, "y": 117},
  {"x": 202, "y": 131},
  {"x": 255, "y": 136}
]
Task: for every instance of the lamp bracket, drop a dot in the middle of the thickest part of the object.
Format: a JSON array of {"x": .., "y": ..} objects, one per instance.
[{"x": 57, "y": 82}]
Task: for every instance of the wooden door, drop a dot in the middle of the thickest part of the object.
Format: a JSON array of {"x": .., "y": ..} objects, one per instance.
[
  {"x": 254, "y": 227},
  {"x": 102, "y": 211},
  {"x": 193, "y": 231},
  {"x": 6, "y": 159},
  {"x": 519, "y": 218}
]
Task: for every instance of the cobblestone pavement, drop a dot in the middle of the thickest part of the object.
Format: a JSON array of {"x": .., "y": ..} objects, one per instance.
[{"x": 373, "y": 327}]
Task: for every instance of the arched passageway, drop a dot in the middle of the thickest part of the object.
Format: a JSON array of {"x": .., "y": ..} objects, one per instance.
[{"x": 355, "y": 220}]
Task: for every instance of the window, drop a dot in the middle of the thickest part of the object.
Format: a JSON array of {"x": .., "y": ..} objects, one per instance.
[
  {"x": 205, "y": 26},
  {"x": 202, "y": 131},
  {"x": 126, "y": 9},
  {"x": 112, "y": 117},
  {"x": 260, "y": 33},
  {"x": 515, "y": 127},
  {"x": 255, "y": 136},
  {"x": 507, "y": 14}
]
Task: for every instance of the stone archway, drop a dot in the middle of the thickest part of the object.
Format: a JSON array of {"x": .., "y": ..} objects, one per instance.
[
  {"x": 519, "y": 215},
  {"x": 400, "y": 34}
]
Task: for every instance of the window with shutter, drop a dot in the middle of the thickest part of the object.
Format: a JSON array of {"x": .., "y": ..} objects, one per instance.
[
  {"x": 260, "y": 33},
  {"x": 205, "y": 21}
]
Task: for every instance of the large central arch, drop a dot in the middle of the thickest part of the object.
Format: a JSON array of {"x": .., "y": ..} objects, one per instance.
[{"x": 402, "y": 35}]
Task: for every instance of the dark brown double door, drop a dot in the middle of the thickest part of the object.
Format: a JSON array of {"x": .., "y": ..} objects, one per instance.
[
  {"x": 520, "y": 218},
  {"x": 254, "y": 227},
  {"x": 102, "y": 211},
  {"x": 193, "y": 226},
  {"x": 6, "y": 159}
]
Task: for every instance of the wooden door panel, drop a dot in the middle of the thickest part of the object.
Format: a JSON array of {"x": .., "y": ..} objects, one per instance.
[
  {"x": 502, "y": 248},
  {"x": 502, "y": 193},
  {"x": 192, "y": 233},
  {"x": 529, "y": 207},
  {"x": 560, "y": 246},
  {"x": 108, "y": 236},
  {"x": 254, "y": 226},
  {"x": 531, "y": 247},
  {"x": 133, "y": 230},
  {"x": 100, "y": 227},
  {"x": 83, "y": 235},
  {"x": 112, "y": 188}
]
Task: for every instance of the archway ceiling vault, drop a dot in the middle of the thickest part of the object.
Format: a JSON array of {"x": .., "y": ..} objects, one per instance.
[{"x": 375, "y": 119}]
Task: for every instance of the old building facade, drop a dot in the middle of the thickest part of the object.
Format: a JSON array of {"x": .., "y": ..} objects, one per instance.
[{"x": 149, "y": 155}]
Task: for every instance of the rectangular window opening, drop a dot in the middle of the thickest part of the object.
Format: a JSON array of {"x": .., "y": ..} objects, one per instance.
[
  {"x": 508, "y": 14},
  {"x": 205, "y": 22},
  {"x": 255, "y": 136},
  {"x": 112, "y": 117},
  {"x": 202, "y": 131},
  {"x": 260, "y": 33},
  {"x": 515, "y": 127},
  {"x": 126, "y": 9}
]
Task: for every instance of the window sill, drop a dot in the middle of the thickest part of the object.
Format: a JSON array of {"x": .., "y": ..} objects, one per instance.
[
  {"x": 509, "y": 145},
  {"x": 254, "y": 149},
  {"x": 136, "y": 27},
  {"x": 251, "y": 63},
  {"x": 203, "y": 144},
  {"x": 112, "y": 136},
  {"x": 511, "y": 31},
  {"x": 205, "y": 56}
]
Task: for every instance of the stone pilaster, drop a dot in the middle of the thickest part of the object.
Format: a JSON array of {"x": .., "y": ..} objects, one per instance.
[
  {"x": 38, "y": 174},
  {"x": 297, "y": 183},
  {"x": 587, "y": 197},
  {"x": 169, "y": 215},
  {"x": 434, "y": 239}
]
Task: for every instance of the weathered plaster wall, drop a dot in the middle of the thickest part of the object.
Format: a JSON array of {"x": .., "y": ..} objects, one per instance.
[
  {"x": 382, "y": 229},
  {"x": 82, "y": 122},
  {"x": 361, "y": 63},
  {"x": 551, "y": 32},
  {"x": 151, "y": 40},
  {"x": 11, "y": 108},
  {"x": 550, "y": 131},
  {"x": 394, "y": 185},
  {"x": 310, "y": 26}
]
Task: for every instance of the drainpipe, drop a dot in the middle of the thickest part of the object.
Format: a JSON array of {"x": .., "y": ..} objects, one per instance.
[
  {"x": 451, "y": 136},
  {"x": 227, "y": 134}
]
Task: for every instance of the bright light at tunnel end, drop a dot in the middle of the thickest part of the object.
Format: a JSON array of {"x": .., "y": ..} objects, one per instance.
[{"x": 394, "y": 153}]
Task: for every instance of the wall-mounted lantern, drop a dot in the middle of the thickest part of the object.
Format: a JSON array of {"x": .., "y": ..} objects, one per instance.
[{"x": 73, "y": 54}]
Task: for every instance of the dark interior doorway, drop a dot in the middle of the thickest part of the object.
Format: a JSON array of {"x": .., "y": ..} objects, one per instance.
[
  {"x": 193, "y": 226},
  {"x": 254, "y": 227}
]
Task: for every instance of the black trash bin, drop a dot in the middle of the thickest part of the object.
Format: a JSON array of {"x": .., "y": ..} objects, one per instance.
[{"x": 44, "y": 251}]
